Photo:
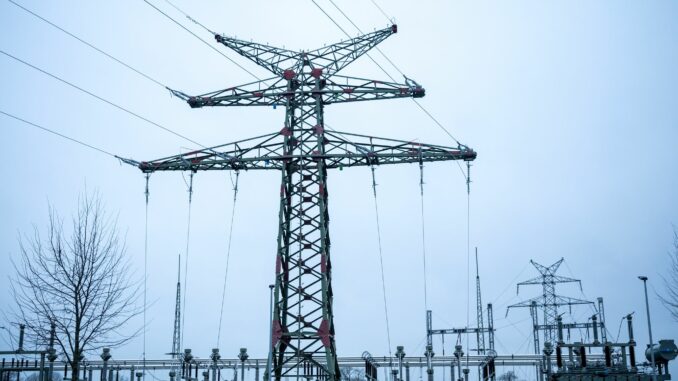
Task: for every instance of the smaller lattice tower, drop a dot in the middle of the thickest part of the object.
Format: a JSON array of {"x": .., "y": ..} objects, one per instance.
[
  {"x": 549, "y": 301},
  {"x": 176, "y": 336},
  {"x": 479, "y": 309}
]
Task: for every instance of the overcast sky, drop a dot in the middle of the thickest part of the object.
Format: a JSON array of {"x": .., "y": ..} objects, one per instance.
[{"x": 571, "y": 106}]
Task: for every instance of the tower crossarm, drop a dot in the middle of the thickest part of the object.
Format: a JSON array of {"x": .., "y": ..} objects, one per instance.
[
  {"x": 535, "y": 280},
  {"x": 270, "y": 152},
  {"x": 567, "y": 301},
  {"x": 271, "y": 58},
  {"x": 343, "y": 89},
  {"x": 306, "y": 90},
  {"x": 550, "y": 270},
  {"x": 539, "y": 302},
  {"x": 333, "y": 58},
  {"x": 526, "y": 303}
]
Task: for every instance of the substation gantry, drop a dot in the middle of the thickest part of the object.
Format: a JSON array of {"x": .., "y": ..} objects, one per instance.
[{"x": 303, "y": 332}]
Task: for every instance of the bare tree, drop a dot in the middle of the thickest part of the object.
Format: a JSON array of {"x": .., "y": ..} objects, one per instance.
[
  {"x": 508, "y": 376},
  {"x": 670, "y": 298},
  {"x": 79, "y": 281},
  {"x": 352, "y": 374}
]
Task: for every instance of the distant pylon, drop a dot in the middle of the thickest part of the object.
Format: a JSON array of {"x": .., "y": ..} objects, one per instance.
[
  {"x": 176, "y": 337},
  {"x": 549, "y": 301},
  {"x": 480, "y": 334}
]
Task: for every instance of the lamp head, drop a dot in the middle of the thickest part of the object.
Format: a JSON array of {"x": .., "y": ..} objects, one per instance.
[{"x": 643, "y": 278}]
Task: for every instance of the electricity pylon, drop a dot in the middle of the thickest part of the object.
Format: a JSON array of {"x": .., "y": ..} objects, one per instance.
[
  {"x": 303, "y": 342},
  {"x": 549, "y": 301}
]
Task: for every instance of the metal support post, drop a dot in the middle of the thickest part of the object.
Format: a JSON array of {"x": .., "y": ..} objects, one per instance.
[
  {"x": 215, "y": 358},
  {"x": 490, "y": 326},
  {"x": 429, "y": 345},
  {"x": 559, "y": 348},
  {"x": 188, "y": 357},
  {"x": 458, "y": 353},
  {"x": 400, "y": 354},
  {"x": 51, "y": 356},
  {"x": 22, "y": 327},
  {"x": 632, "y": 343},
  {"x": 548, "y": 350},
  {"x": 105, "y": 356},
  {"x": 41, "y": 373},
  {"x": 243, "y": 356}
]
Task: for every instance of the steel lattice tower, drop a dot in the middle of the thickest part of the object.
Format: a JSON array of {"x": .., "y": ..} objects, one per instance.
[
  {"x": 303, "y": 343},
  {"x": 480, "y": 334},
  {"x": 176, "y": 336},
  {"x": 549, "y": 301}
]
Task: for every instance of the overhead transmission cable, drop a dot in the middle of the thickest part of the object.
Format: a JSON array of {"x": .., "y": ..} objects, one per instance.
[
  {"x": 188, "y": 239},
  {"x": 88, "y": 44},
  {"x": 381, "y": 67},
  {"x": 228, "y": 255},
  {"x": 121, "y": 108},
  {"x": 381, "y": 10},
  {"x": 198, "y": 37},
  {"x": 189, "y": 17},
  {"x": 45, "y": 129},
  {"x": 381, "y": 262},
  {"x": 423, "y": 232}
]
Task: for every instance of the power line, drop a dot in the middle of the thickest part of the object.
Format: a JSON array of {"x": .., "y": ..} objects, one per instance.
[
  {"x": 228, "y": 255},
  {"x": 388, "y": 59},
  {"x": 381, "y": 10},
  {"x": 58, "y": 134},
  {"x": 198, "y": 37},
  {"x": 349, "y": 36},
  {"x": 101, "y": 99},
  {"x": 189, "y": 17},
  {"x": 88, "y": 44},
  {"x": 359, "y": 30},
  {"x": 381, "y": 261}
]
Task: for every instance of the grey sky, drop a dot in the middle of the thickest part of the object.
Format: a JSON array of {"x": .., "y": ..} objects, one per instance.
[{"x": 571, "y": 106}]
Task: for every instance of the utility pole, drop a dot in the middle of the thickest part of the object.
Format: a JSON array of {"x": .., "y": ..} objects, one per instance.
[{"x": 303, "y": 151}]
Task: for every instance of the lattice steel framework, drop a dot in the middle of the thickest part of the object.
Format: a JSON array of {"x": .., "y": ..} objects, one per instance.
[
  {"x": 549, "y": 301},
  {"x": 303, "y": 151},
  {"x": 480, "y": 335},
  {"x": 176, "y": 334}
]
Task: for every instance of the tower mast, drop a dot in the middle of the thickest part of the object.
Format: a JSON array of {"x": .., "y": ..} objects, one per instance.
[{"x": 303, "y": 339}]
